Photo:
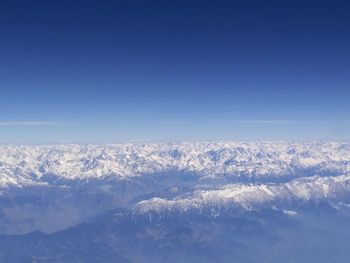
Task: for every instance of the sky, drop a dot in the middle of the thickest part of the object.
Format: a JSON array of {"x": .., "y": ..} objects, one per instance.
[{"x": 117, "y": 71}]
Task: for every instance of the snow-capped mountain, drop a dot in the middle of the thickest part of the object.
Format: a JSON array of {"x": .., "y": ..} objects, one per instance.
[
  {"x": 23, "y": 165},
  {"x": 255, "y": 196},
  {"x": 199, "y": 200},
  {"x": 40, "y": 185}
]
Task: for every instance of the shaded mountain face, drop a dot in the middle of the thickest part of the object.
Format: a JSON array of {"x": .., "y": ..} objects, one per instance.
[
  {"x": 319, "y": 233},
  {"x": 185, "y": 202}
]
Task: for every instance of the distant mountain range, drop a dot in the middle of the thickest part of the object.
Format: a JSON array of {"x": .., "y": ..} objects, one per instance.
[{"x": 176, "y": 202}]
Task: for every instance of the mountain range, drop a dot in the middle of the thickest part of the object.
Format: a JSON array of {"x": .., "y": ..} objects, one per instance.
[{"x": 175, "y": 202}]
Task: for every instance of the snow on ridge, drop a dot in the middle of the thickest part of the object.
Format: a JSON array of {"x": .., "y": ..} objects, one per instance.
[
  {"x": 20, "y": 164},
  {"x": 251, "y": 196}
]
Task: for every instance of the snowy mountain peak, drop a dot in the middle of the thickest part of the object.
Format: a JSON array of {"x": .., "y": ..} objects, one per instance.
[{"x": 20, "y": 165}]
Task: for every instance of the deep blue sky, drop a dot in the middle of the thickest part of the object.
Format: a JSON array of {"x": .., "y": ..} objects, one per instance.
[{"x": 108, "y": 71}]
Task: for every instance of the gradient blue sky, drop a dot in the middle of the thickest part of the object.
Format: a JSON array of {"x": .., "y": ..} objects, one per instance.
[{"x": 112, "y": 71}]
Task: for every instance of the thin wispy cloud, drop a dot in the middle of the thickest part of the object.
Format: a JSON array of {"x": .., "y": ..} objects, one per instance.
[
  {"x": 263, "y": 121},
  {"x": 285, "y": 121},
  {"x": 30, "y": 123},
  {"x": 267, "y": 122},
  {"x": 235, "y": 122}
]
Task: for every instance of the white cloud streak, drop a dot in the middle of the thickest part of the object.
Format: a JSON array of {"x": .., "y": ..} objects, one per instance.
[
  {"x": 29, "y": 123},
  {"x": 264, "y": 121}
]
